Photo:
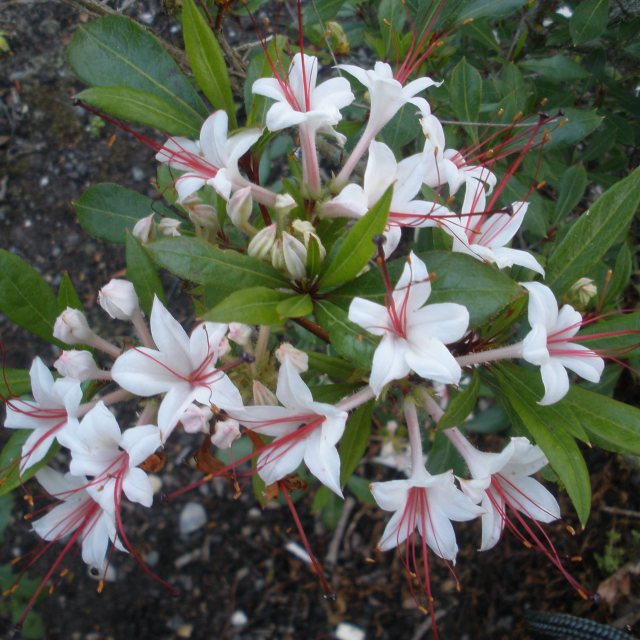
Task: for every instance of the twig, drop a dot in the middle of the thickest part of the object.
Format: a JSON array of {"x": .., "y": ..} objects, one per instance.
[
  {"x": 331, "y": 559},
  {"x": 621, "y": 512}
]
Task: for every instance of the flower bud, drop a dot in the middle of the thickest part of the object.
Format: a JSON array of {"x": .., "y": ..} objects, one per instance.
[
  {"x": 195, "y": 419},
  {"x": 295, "y": 256},
  {"x": 284, "y": 203},
  {"x": 262, "y": 396},
  {"x": 169, "y": 227},
  {"x": 202, "y": 215},
  {"x": 118, "y": 298},
  {"x": 145, "y": 229},
  {"x": 582, "y": 292},
  {"x": 299, "y": 359},
  {"x": 304, "y": 230},
  {"x": 239, "y": 333},
  {"x": 226, "y": 433},
  {"x": 338, "y": 38},
  {"x": 239, "y": 207},
  {"x": 72, "y": 327},
  {"x": 262, "y": 243},
  {"x": 78, "y": 365}
]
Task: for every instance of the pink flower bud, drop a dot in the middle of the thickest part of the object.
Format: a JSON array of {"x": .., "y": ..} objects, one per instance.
[
  {"x": 240, "y": 207},
  {"x": 262, "y": 396},
  {"x": 78, "y": 365},
  {"x": 239, "y": 333},
  {"x": 118, "y": 298},
  {"x": 227, "y": 432},
  {"x": 145, "y": 229},
  {"x": 299, "y": 359},
  {"x": 195, "y": 419},
  {"x": 262, "y": 243},
  {"x": 72, "y": 327}
]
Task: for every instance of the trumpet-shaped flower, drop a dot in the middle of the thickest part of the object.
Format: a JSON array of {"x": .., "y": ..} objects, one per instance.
[
  {"x": 54, "y": 406},
  {"x": 551, "y": 344},
  {"x": 303, "y": 430},
  {"x": 413, "y": 335},
  {"x": 183, "y": 367},
  {"x": 212, "y": 160}
]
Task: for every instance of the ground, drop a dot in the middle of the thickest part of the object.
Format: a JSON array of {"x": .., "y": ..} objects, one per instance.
[{"x": 50, "y": 152}]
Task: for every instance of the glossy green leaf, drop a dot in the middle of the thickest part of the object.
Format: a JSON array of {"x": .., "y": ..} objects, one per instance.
[
  {"x": 580, "y": 123},
  {"x": 482, "y": 288},
  {"x": 558, "y": 68},
  {"x": 207, "y": 60},
  {"x": 107, "y": 210},
  {"x": 489, "y": 9},
  {"x": 355, "y": 440},
  {"x": 515, "y": 92},
  {"x": 26, "y": 298},
  {"x": 228, "y": 271},
  {"x": 114, "y": 51},
  {"x": 67, "y": 295},
  {"x": 143, "y": 107},
  {"x": 347, "y": 339},
  {"x": 10, "y": 457},
  {"x": 14, "y": 382},
  {"x": 255, "y": 305},
  {"x": 295, "y": 306},
  {"x": 589, "y": 20},
  {"x": 570, "y": 191},
  {"x": 593, "y": 233},
  {"x": 143, "y": 274},
  {"x": 325, "y": 10},
  {"x": 623, "y": 337},
  {"x": 335, "y": 367},
  {"x": 547, "y": 427},
  {"x": 465, "y": 93},
  {"x": 352, "y": 255},
  {"x": 461, "y": 405}
]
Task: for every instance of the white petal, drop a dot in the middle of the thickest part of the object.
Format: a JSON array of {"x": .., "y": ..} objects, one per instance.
[
  {"x": 221, "y": 392},
  {"x": 137, "y": 487},
  {"x": 414, "y": 287},
  {"x": 543, "y": 308},
  {"x": 187, "y": 184},
  {"x": 398, "y": 529},
  {"x": 281, "y": 115},
  {"x": 389, "y": 362},
  {"x": 438, "y": 532},
  {"x": 280, "y": 460},
  {"x": 292, "y": 391},
  {"x": 359, "y": 74},
  {"x": 95, "y": 542},
  {"x": 335, "y": 92},
  {"x": 493, "y": 522},
  {"x": 568, "y": 323},
  {"x": 35, "y": 448},
  {"x": 42, "y": 384},
  {"x": 266, "y": 420},
  {"x": 213, "y": 138},
  {"x": 444, "y": 321},
  {"x": 323, "y": 461},
  {"x": 505, "y": 257},
  {"x": 528, "y": 496},
  {"x": 431, "y": 360},
  {"x": 380, "y": 171},
  {"x": 391, "y": 495},
  {"x": 555, "y": 380},
  {"x": 268, "y": 87},
  {"x": 140, "y": 442},
  {"x": 147, "y": 372},
  {"x": 580, "y": 360},
  {"x": 178, "y": 398},
  {"x": 170, "y": 338},
  {"x": 59, "y": 522},
  {"x": 370, "y": 316},
  {"x": 351, "y": 201},
  {"x": 534, "y": 345},
  {"x": 57, "y": 485}
]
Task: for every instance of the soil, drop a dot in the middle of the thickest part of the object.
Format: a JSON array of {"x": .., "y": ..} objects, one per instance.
[{"x": 235, "y": 576}]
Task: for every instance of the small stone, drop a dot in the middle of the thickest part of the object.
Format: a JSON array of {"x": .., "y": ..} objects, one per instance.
[
  {"x": 49, "y": 27},
  {"x": 184, "y": 631},
  {"x": 348, "y": 631},
  {"x": 137, "y": 174},
  {"x": 151, "y": 558},
  {"x": 239, "y": 618},
  {"x": 192, "y": 517}
]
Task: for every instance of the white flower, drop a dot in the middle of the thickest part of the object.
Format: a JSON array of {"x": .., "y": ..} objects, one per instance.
[
  {"x": 54, "y": 406},
  {"x": 226, "y": 433},
  {"x": 240, "y": 333},
  {"x": 303, "y": 430},
  {"x": 299, "y": 359},
  {"x": 551, "y": 344},
  {"x": 145, "y": 229},
  {"x": 213, "y": 160},
  {"x": 119, "y": 299},
  {"x": 413, "y": 335},
  {"x": 79, "y": 365},
  {"x": 183, "y": 367},
  {"x": 71, "y": 327}
]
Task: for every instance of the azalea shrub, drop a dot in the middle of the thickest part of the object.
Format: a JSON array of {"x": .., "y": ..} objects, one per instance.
[{"x": 412, "y": 241}]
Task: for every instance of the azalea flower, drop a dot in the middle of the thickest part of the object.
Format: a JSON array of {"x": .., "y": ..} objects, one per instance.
[
  {"x": 303, "y": 430},
  {"x": 387, "y": 96},
  {"x": 54, "y": 406},
  {"x": 183, "y": 367},
  {"x": 413, "y": 335},
  {"x": 551, "y": 344},
  {"x": 98, "y": 449},
  {"x": 484, "y": 236},
  {"x": 383, "y": 171},
  {"x": 212, "y": 160}
]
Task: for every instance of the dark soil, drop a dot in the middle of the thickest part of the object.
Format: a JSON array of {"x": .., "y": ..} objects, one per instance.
[{"x": 50, "y": 152}]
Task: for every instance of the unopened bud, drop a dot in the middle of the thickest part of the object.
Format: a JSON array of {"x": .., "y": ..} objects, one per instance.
[
  {"x": 202, "y": 215},
  {"x": 72, "y": 327},
  {"x": 284, "y": 203},
  {"x": 582, "y": 292},
  {"x": 262, "y": 396},
  {"x": 169, "y": 227},
  {"x": 294, "y": 254},
  {"x": 226, "y": 433},
  {"x": 195, "y": 419},
  {"x": 78, "y": 365},
  {"x": 145, "y": 229},
  {"x": 304, "y": 230},
  {"x": 262, "y": 243},
  {"x": 239, "y": 207},
  {"x": 239, "y": 333},
  {"x": 338, "y": 38},
  {"x": 119, "y": 299},
  {"x": 299, "y": 359}
]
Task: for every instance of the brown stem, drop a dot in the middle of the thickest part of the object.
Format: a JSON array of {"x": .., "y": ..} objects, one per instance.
[{"x": 314, "y": 328}]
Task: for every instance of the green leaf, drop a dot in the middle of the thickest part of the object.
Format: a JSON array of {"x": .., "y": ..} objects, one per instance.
[
  {"x": 321, "y": 11},
  {"x": 627, "y": 325},
  {"x": 547, "y": 427},
  {"x": 589, "y": 20},
  {"x": 6, "y": 507},
  {"x": 228, "y": 271},
  {"x": 143, "y": 107},
  {"x": 26, "y": 298},
  {"x": 489, "y": 9},
  {"x": 461, "y": 404},
  {"x": 10, "y": 458},
  {"x": 570, "y": 191},
  {"x": 337, "y": 368},
  {"x": 353, "y": 443},
  {"x": 107, "y": 210},
  {"x": 114, "y": 51},
  {"x": 465, "y": 93},
  {"x": 67, "y": 295},
  {"x": 611, "y": 425},
  {"x": 348, "y": 339},
  {"x": 558, "y": 68},
  {"x": 14, "y": 382},
  {"x": 255, "y": 305},
  {"x": 356, "y": 250},
  {"x": 482, "y": 288},
  {"x": 580, "y": 123},
  {"x": 593, "y": 233},
  {"x": 143, "y": 274},
  {"x": 295, "y": 306},
  {"x": 207, "y": 60},
  {"x": 514, "y": 92}
]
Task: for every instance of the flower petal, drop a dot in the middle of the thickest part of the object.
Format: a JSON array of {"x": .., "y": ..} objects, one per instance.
[
  {"x": 389, "y": 362},
  {"x": 555, "y": 380},
  {"x": 137, "y": 487}
]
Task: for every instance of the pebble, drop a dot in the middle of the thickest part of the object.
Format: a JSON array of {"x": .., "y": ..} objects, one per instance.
[
  {"x": 348, "y": 631},
  {"x": 192, "y": 517},
  {"x": 137, "y": 174},
  {"x": 239, "y": 618}
]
